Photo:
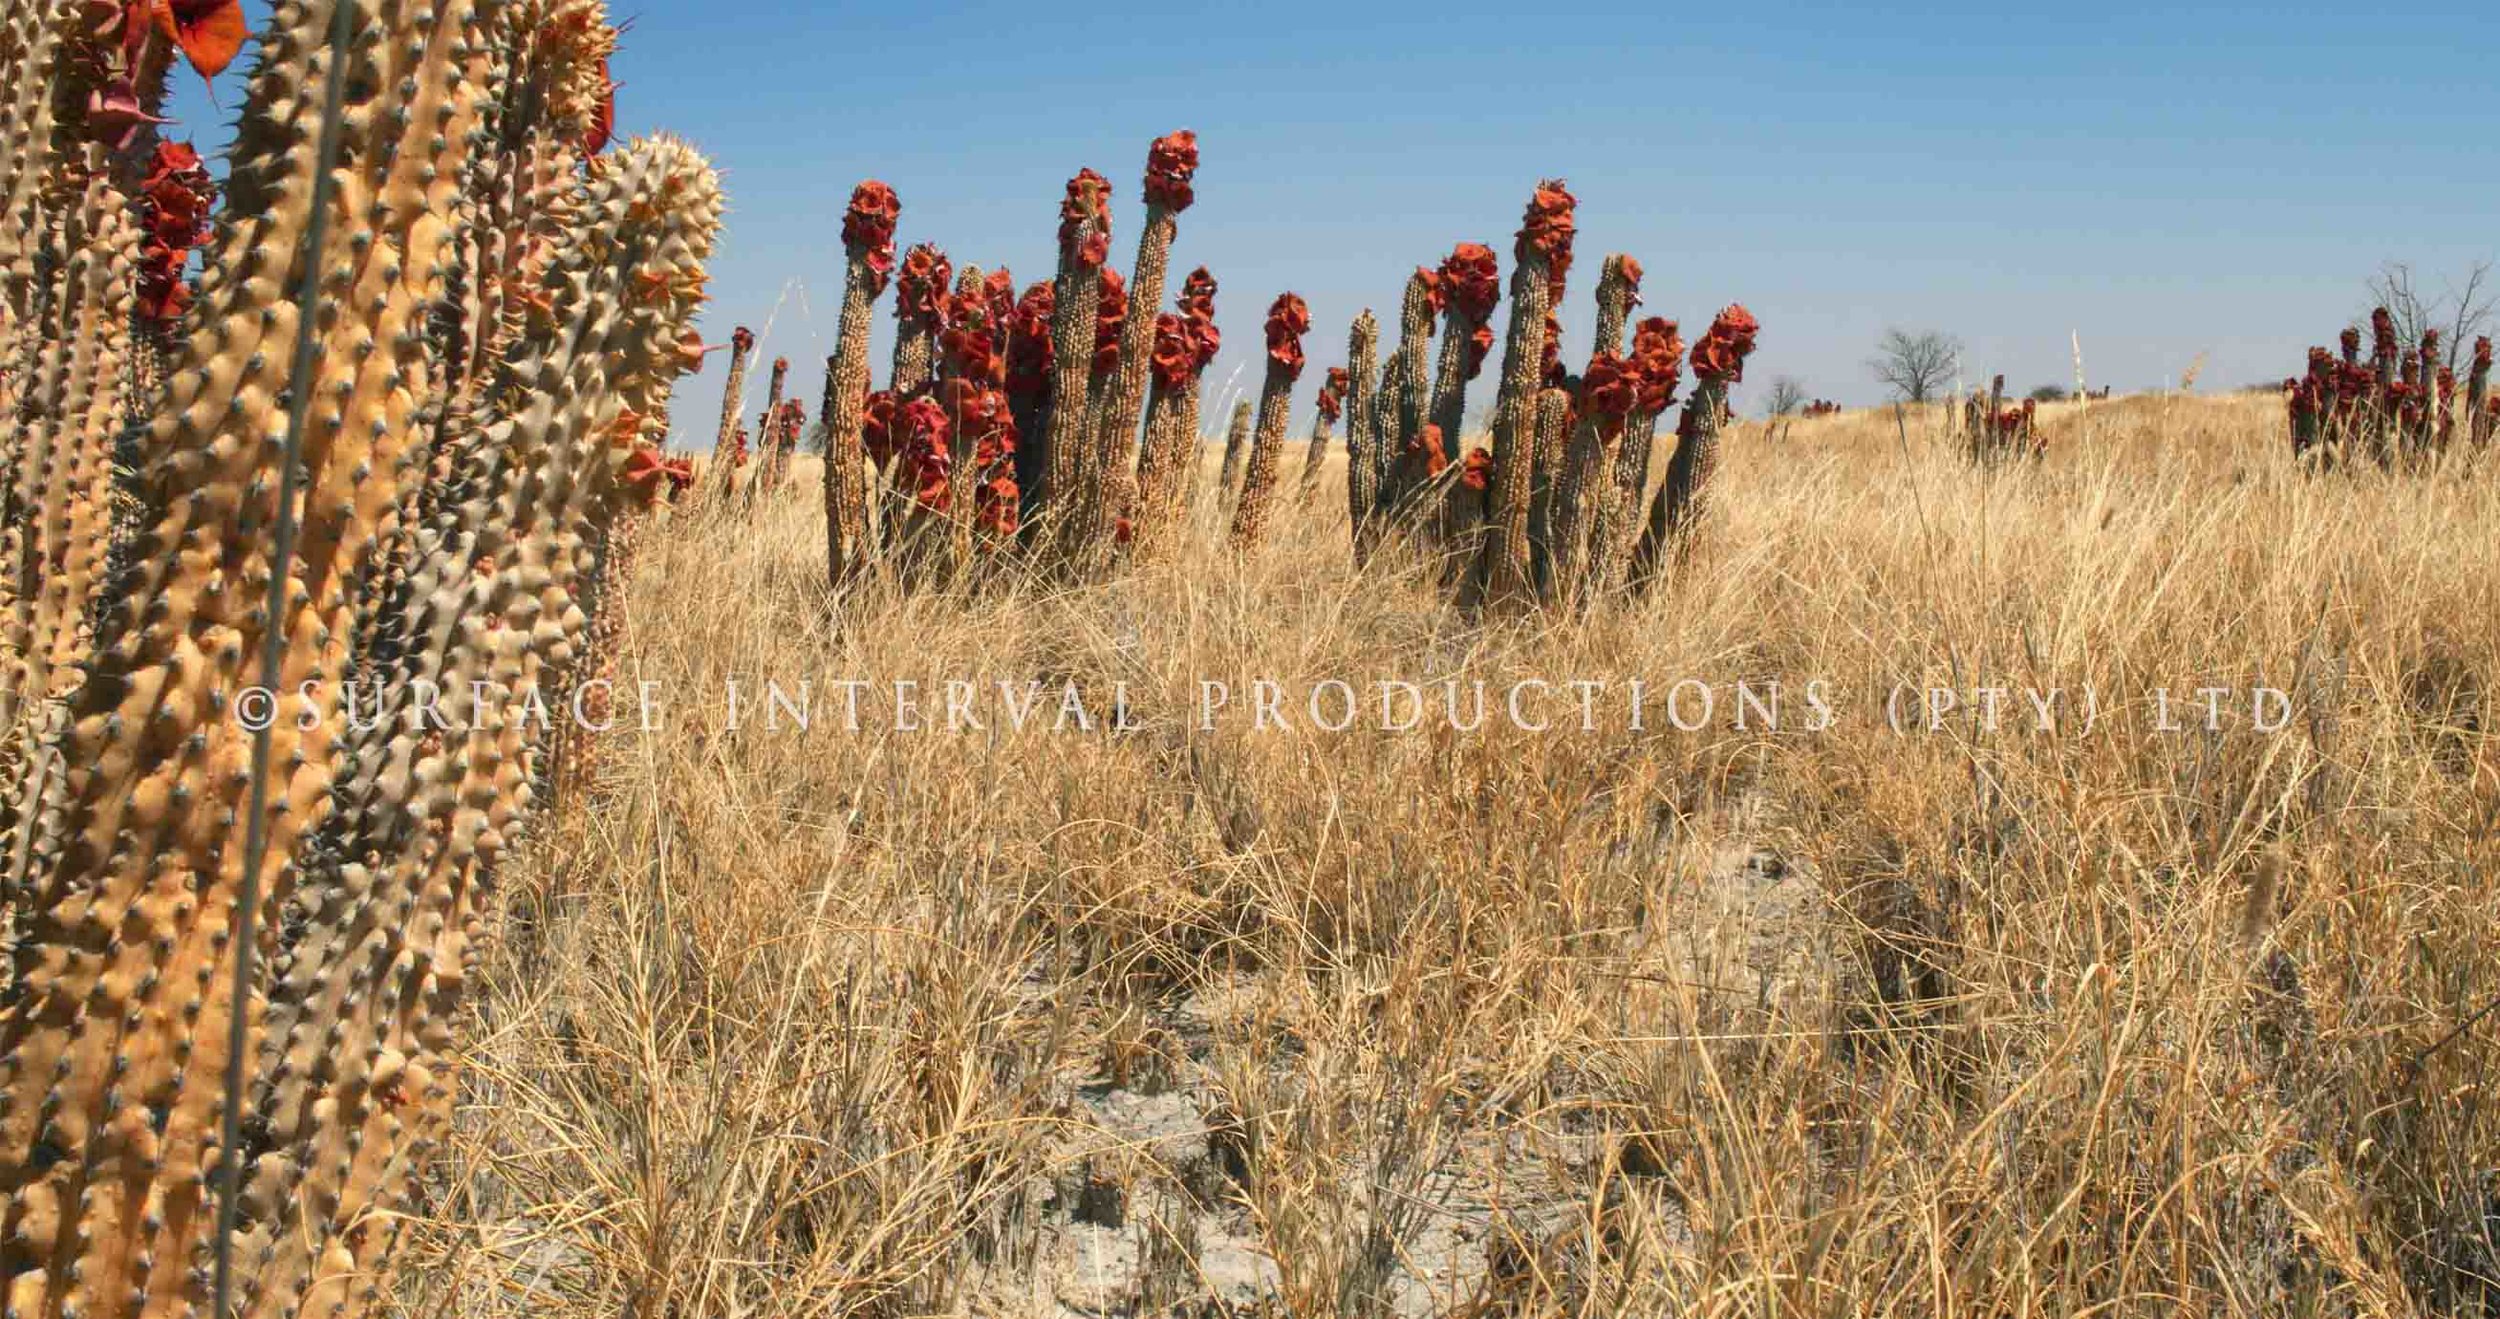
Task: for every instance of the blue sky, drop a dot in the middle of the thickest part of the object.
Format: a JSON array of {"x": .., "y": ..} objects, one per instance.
[{"x": 2163, "y": 181}]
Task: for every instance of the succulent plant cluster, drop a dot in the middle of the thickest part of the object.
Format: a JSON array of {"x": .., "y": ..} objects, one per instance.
[
  {"x": 476, "y": 404},
  {"x": 1013, "y": 423},
  {"x": 1995, "y": 432},
  {"x": 2397, "y": 407},
  {"x": 1551, "y": 509}
]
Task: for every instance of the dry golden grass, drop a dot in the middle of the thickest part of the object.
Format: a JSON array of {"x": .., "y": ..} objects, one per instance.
[{"x": 1581, "y": 1022}]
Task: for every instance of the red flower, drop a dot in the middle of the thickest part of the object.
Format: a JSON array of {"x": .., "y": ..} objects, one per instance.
[
  {"x": 1479, "y": 347},
  {"x": 922, "y": 459},
  {"x": 1722, "y": 351},
  {"x": 1028, "y": 341},
  {"x": 174, "y": 203},
  {"x": 114, "y": 112},
  {"x": 643, "y": 472},
  {"x": 998, "y": 293},
  {"x": 210, "y": 32},
  {"x": 603, "y": 117},
  {"x": 2352, "y": 343},
  {"x": 1471, "y": 281},
  {"x": 1085, "y": 220},
  {"x": 2382, "y": 336},
  {"x": 971, "y": 350},
  {"x": 1110, "y": 313},
  {"x": 1609, "y": 391},
  {"x": 880, "y": 429},
  {"x": 920, "y": 288},
  {"x": 1435, "y": 295},
  {"x": 1197, "y": 299},
  {"x": 1169, "y": 164},
  {"x": 1478, "y": 473},
  {"x": 868, "y": 230},
  {"x": 994, "y": 503},
  {"x": 1288, "y": 319},
  {"x": 1174, "y": 358},
  {"x": 1426, "y": 449},
  {"x": 1548, "y": 226},
  {"x": 1332, "y": 395},
  {"x": 1631, "y": 283},
  {"x": 2482, "y": 353},
  {"x": 1658, "y": 355},
  {"x": 1550, "y": 368}
]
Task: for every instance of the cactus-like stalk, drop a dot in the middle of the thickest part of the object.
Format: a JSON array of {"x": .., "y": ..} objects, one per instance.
[
  {"x": 1032, "y": 368},
  {"x": 1236, "y": 448},
  {"x": 1171, "y": 165},
  {"x": 1331, "y": 406},
  {"x": 1609, "y": 390},
  {"x": 1287, "y": 321},
  {"x": 2478, "y": 417},
  {"x": 1718, "y": 362},
  {"x": 1657, "y": 359},
  {"x": 1362, "y": 438},
  {"x": 1502, "y": 570},
  {"x": 1185, "y": 341},
  {"x": 1102, "y": 493},
  {"x": 774, "y": 461},
  {"x": 108, "y": 1104},
  {"x": 981, "y": 492},
  {"x": 729, "y": 444},
  {"x": 1405, "y": 391},
  {"x": 369, "y": 977},
  {"x": 920, "y": 285},
  {"x": 71, "y": 412},
  {"x": 1084, "y": 243},
  {"x": 868, "y": 260},
  {"x": 1469, "y": 286}
]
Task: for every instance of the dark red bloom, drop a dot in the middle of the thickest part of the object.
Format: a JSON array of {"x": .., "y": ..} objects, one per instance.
[
  {"x": 1174, "y": 358},
  {"x": 602, "y": 118},
  {"x": 1332, "y": 395},
  {"x": 1724, "y": 347},
  {"x": 970, "y": 349},
  {"x": 174, "y": 202},
  {"x": 994, "y": 503},
  {"x": 1426, "y": 449},
  {"x": 2482, "y": 353},
  {"x": 1609, "y": 390},
  {"x": 1548, "y": 226},
  {"x": 1471, "y": 281},
  {"x": 210, "y": 32},
  {"x": 998, "y": 293},
  {"x": 1435, "y": 295},
  {"x": 1197, "y": 298},
  {"x": 1658, "y": 355},
  {"x": 1085, "y": 220},
  {"x": 1170, "y": 163},
  {"x": 1631, "y": 283},
  {"x": 1550, "y": 371},
  {"x": 922, "y": 459},
  {"x": 2352, "y": 343},
  {"x": 1288, "y": 319},
  {"x": 1478, "y": 473},
  {"x": 920, "y": 288},
  {"x": 880, "y": 426},
  {"x": 1028, "y": 341},
  {"x": 1479, "y": 347},
  {"x": 1110, "y": 313},
  {"x": 2382, "y": 336},
  {"x": 868, "y": 230}
]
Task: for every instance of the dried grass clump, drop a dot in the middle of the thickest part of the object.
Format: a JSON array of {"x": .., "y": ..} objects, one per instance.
[{"x": 1603, "y": 1021}]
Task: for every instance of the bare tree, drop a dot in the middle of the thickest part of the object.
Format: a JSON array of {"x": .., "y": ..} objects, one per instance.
[
  {"x": 1788, "y": 394},
  {"x": 1917, "y": 364},
  {"x": 2459, "y": 313}
]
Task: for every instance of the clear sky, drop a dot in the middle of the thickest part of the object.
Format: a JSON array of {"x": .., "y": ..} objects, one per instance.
[{"x": 2165, "y": 181}]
